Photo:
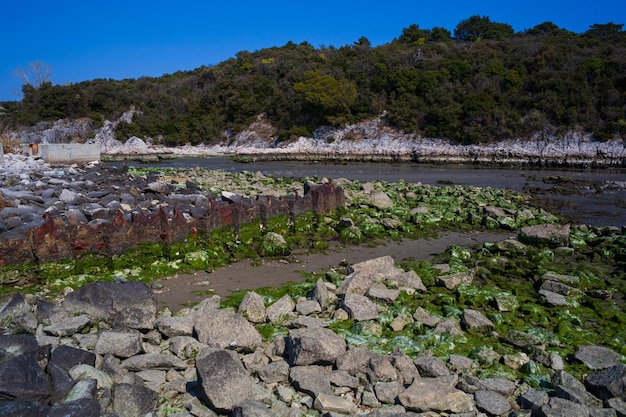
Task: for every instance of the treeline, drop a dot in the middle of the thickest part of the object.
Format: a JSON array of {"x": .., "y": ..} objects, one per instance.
[{"x": 482, "y": 83}]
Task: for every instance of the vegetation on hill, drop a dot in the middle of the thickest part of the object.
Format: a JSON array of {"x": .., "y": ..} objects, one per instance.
[{"x": 482, "y": 83}]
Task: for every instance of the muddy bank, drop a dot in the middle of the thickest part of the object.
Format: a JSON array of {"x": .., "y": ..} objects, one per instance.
[{"x": 185, "y": 289}]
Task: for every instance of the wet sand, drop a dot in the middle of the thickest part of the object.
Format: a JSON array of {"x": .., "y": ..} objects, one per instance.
[{"x": 183, "y": 290}]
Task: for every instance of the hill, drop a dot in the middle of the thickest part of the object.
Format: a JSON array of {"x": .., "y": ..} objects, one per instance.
[{"x": 481, "y": 84}]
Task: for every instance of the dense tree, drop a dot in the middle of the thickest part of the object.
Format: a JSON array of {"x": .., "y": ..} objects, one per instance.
[{"x": 485, "y": 84}]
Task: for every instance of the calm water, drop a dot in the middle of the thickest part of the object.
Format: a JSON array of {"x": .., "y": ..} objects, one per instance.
[{"x": 602, "y": 209}]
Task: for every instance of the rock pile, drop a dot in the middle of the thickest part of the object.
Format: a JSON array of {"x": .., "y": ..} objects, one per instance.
[
  {"x": 106, "y": 350},
  {"x": 50, "y": 213}
]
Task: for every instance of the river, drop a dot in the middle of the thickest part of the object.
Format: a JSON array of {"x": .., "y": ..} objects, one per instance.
[{"x": 589, "y": 196}]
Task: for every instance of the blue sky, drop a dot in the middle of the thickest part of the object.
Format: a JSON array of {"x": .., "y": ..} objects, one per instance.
[{"x": 84, "y": 40}]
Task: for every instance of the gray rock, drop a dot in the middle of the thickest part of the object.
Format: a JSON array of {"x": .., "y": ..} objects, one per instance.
[
  {"x": 131, "y": 400},
  {"x": 407, "y": 281},
  {"x": 359, "y": 307},
  {"x": 380, "y": 369},
  {"x": 274, "y": 372},
  {"x": 407, "y": 371},
  {"x": 506, "y": 302},
  {"x": 449, "y": 326},
  {"x": 475, "y": 320},
  {"x": 87, "y": 407},
  {"x": 68, "y": 326},
  {"x": 426, "y": 317},
  {"x": 558, "y": 407},
  {"x": 223, "y": 381},
  {"x": 533, "y": 399},
  {"x": 252, "y": 307},
  {"x": 320, "y": 294},
  {"x": 175, "y": 326},
  {"x": 428, "y": 394},
  {"x": 608, "y": 382},
  {"x": 552, "y": 234},
  {"x": 559, "y": 288},
  {"x": 451, "y": 281},
  {"x": 87, "y": 372},
  {"x": 224, "y": 329},
  {"x": 380, "y": 200},
  {"x": 566, "y": 279},
  {"x": 387, "y": 392},
  {"x": 380, "y": 292},
  {"x": 491, "y": 402},
  {"x": 300, "y": 322},
  {"x": 355, "y": 360},
  {"x": 343, "y": 379},
  {"x": 311, "y": 380},
  {"x": 569, "y": 388},
  {"x": 153, "y": 361},
  {"x": 603, "y": 412},
  {"x": 251, "y": 408},
  {"x": 281, "y": 310},
  {"x": 460, "y": 363},
  {"x": 308, "y": 307},
  {"x": 22, "y": 378},
  {"x": 502, "y": 386},
  {"x": 128, "y": 304},
  {"x": 597, "y": 357},
  {"x": 617, "y": 404},
  {"x": 431, "y": 366},
  {"x": 327, "y": 403},
  {"x": 314, "y": 346},
  {"x": 122, "y": 344},
  {"x": 366, "y": 273},
  {"x": 16, "y": 305},
  {"x": 66, "y": 357},
  {"x": 185, "y": 347}
]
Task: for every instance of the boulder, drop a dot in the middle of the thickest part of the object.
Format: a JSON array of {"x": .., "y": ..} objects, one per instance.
[
  {"x": 129, "y": 304},
  {"x": 223, "y": 382},
  {"x": 475, "y": 320},
  {"x": 312, "y": 380},
  {"x": 492, "y": 403},
  {"x": 597, "y": 357},
  {"x": 130, "y": 400},
  {"x": 431, "y": 366},
  {"x": 429, "y": 394},
  {"x": 360, "y": 307},
  {"x": 122, "y": 344},
  {"x": 252, "y": 307},
  {"x": 558, "y": 407},
  {"x": 224, "y": 329},
  {"x": 608, "y": 382},
  {"x": 281, "y": 310},
  {"x": 22, "y": 378},
  {"x": 314, "y": 345},
  {"x": 546, "y": 234},
  {"x": 327, "y": 403}
]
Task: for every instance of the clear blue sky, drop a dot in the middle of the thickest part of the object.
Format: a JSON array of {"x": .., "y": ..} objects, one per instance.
[{"x": 84, "y": 40}]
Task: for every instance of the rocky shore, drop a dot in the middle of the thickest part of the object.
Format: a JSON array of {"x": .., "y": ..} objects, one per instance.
[
  {"x": 370, "y": 140},
  {"x": 51, "y": 213},
  {"x": 107, "y": 350}
]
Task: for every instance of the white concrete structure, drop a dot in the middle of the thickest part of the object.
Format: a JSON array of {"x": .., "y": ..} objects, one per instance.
[{"x": 69, "y": 153}]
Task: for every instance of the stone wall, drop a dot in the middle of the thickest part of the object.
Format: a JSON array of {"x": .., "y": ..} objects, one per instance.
[
  {"x": 69, "y": 153},
  {"x": 61, "y": 238}
]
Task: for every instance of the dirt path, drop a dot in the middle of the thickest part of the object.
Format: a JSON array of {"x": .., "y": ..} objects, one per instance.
[{"x": 184, "y": 289}]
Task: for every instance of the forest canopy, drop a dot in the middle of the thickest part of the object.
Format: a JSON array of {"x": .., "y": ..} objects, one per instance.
[{"x": 482, "y": 83}]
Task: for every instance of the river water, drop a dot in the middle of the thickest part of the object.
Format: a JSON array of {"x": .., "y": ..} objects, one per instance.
[{"x": 592, "y": 196}]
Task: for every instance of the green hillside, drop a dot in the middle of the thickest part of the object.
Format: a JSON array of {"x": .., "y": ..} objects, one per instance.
[{"x": 481, "y": 83}]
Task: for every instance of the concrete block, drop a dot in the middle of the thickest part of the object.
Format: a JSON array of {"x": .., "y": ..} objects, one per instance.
[{"x": 69, "y": 153}]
